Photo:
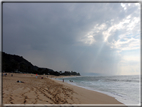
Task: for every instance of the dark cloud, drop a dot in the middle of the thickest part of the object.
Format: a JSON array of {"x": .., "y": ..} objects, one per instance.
[{"x": 50, "y": 34}]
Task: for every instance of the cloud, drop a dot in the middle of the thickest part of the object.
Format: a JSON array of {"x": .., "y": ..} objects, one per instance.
[{"x": 83, "y": 37}]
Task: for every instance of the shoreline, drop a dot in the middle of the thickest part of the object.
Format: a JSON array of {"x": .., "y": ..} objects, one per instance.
[
  {"x": 49, "y": 91},
  {"x": 74, "y": 84}
]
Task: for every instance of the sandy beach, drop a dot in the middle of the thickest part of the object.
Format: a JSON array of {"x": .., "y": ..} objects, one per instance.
[{"x": 47, "y": 91}]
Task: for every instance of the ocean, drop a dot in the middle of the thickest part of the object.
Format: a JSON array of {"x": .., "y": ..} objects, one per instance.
[{"x": 125, "y": 88}]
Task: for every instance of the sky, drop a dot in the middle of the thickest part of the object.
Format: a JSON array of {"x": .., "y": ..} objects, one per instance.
[{"x": 87, "y": 38}]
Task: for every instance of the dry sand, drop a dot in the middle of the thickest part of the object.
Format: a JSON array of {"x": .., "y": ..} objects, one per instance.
[{"x": 47, "y": 91}]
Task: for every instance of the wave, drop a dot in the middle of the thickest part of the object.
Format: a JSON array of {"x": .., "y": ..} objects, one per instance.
[{"x": 119, "y": 87}]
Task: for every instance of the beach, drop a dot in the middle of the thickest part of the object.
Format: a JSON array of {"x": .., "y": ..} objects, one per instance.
[{"x": 32, "y": 90}]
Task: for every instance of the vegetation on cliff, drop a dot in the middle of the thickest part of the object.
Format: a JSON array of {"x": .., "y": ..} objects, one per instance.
[{"x": 15, "y": 63}]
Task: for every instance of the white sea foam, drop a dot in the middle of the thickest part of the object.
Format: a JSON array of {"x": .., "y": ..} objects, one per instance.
[{"x": 125, "y": 89}]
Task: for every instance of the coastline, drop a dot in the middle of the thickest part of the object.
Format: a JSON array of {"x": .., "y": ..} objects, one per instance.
[
  {"x": 49, "y": 91},
  {"x": 87, "y": 88},
  {"x": 94, "y": 92}
]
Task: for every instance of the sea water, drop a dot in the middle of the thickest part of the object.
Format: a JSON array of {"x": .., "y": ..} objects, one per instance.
[{"x": 126, "y": 89}]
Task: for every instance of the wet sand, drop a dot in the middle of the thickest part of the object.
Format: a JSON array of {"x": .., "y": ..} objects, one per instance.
[{"x": 48, "y": 91}]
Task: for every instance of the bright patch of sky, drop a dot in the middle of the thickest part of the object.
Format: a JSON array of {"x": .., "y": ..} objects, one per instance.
[{"x": 127, "y": 31}]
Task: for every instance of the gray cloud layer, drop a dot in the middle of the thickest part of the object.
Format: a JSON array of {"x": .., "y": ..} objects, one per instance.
[{"x": 53, "y": 34}]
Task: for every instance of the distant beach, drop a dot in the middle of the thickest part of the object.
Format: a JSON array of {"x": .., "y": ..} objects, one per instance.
[{"x": 27, "y": 89}]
